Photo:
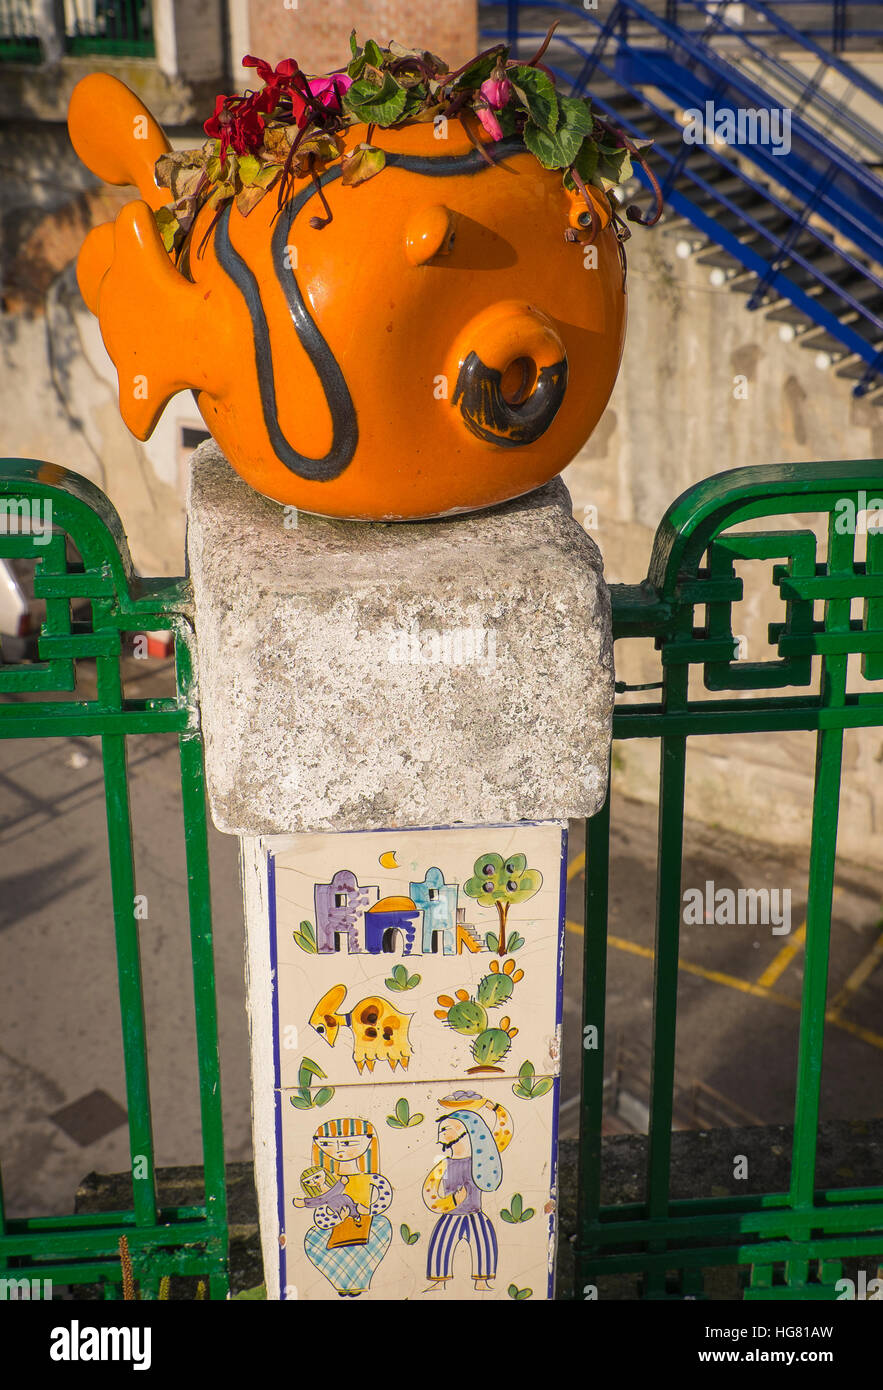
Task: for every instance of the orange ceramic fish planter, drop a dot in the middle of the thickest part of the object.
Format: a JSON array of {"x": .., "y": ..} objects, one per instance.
[{"x": 439, "y": 346}]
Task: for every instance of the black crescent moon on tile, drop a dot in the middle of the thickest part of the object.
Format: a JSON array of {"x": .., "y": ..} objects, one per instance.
[{"x": 345, "y": 431}]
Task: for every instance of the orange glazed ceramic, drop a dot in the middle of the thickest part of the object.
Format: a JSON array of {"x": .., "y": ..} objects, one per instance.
[{"x": 438, "y": 346}]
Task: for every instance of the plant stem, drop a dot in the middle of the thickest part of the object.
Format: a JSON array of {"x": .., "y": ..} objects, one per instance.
[{"x": 502, "y": 913}]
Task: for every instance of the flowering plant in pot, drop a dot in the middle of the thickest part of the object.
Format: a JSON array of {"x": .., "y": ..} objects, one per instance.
[{"x": 396, "y": 290}]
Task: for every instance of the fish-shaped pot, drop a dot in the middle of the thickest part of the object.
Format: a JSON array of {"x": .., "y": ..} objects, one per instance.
[{"x": 440, "y": 345}]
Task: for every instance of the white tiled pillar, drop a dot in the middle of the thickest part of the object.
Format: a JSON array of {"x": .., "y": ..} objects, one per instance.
[{"x": 399, "y": 721}]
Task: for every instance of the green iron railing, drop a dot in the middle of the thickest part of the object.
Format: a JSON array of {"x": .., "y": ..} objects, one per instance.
[
  {"x": 792, "y": 1241},
  {"x": 45, "y": 507},
  {"x": 115, "y": 28},
  {"x": 19, "y": 41}
]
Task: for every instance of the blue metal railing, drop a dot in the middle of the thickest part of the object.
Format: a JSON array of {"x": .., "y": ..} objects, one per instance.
[{"x": 815, "y": 212}]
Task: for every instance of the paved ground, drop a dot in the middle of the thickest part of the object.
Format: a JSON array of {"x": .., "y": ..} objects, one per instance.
[{"x": 61, "y": 1081}]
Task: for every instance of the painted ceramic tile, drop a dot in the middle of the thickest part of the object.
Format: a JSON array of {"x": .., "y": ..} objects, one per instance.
[
  {"x": 416, "y": 1023},
  {"x": 389, "y": 961},
  {"x": 435, "y": 1192}
]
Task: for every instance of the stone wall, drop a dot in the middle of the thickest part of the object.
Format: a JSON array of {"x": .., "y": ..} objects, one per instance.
[{"x": 316, "y": 32}]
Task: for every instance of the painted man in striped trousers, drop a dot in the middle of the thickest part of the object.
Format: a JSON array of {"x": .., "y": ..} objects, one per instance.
[{"x": 469, "y": 1167}]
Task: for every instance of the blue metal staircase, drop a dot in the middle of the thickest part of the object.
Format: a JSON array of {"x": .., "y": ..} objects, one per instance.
[{"x": 796, "y": 223}]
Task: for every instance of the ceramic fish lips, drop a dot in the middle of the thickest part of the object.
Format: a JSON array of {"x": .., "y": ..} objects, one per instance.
[{"x": 436, "y": 347}]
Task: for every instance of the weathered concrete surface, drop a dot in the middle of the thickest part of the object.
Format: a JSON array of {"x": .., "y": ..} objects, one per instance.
[{"x": 332, "y": 697}]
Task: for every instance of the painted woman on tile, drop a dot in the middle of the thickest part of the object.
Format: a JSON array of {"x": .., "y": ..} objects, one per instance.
[
  {"x": 347, "y": 1195},
  {"x": 472, "y": 1133}
]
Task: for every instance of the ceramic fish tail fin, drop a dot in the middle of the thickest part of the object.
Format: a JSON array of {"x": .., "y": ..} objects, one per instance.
[
  {"x": 143, "y": 287},
  {"x": 115, "y": 135},
  {"x": 93, "y": 263}
]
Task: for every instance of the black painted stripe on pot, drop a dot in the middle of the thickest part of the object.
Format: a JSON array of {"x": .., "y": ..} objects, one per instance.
[
  {"x": 488, "y": 414},
  {"x": 345, "y": 434}
]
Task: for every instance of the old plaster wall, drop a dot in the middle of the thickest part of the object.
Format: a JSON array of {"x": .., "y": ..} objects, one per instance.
[
  {"x": 317, "y": 34},
  {"x": 58, "y": 396},
  {"x": 706, "y": 386}
]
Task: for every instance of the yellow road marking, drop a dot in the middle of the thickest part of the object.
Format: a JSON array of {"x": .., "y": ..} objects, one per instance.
[
  {"x": 862, "y": 971},
  {"x": 784, "y": 958},
  {"x": 575, "y": 866},
  {"x": 759, "y": 991}
]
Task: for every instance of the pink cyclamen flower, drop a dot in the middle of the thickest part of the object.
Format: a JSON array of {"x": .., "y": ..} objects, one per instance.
[
  {"x": 490, "y": 122},
  {"x": 496, "y": 91},
  {"x": 329, "y": 90}
]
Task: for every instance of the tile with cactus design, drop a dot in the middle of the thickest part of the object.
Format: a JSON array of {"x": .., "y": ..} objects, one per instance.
[{"x": 417, "y": 954}]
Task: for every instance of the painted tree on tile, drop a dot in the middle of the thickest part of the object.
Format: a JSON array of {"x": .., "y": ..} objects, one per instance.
[{"x": 502, "y": 882}]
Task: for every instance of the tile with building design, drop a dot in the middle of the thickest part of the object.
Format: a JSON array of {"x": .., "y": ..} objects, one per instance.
[
  {"x": 431, "y": 1191},
  {"x": 418, "y": 954}
]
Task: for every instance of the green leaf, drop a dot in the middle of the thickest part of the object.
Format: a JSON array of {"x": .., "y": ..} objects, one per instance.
[
  {"x": 508, "y": 1217},
  {"x": 492, "y": 941},
  {"x": 360, "y": 166},
  {"x": 259, "y": 1291},
  {"x": 403, "y": 1111},
  {"x": 540, "y": 1088},
  {"x": 383, "y": 105},
  {"x": 524, "y": 1293},
  {"x": 323, "y": 1095},
  {"x": 480, "y": 68},
  {"x": 301, "y": 1102},
  {"x": 512, "y": 1290},
  {"x": 536, "y": 93},
  {"x": 549, "y": 150},
  {"x": 354, "y": 44},
  {"x": 528, "y": 1213},
  {"x": 415, "y": 1120},
  {"x": 514, "y": 942},
  {"x": 249, "y": 168},
  {"x": 408, "y": 1236},
  {"x": 575, "y": 115},
  {"x": 309, "y": 1068},
  {"x": 586, "y": 163},
  {"x": 516, "y": 1206},
  {"x": 614, "y": 167},
  {"x": 374, "y": 54},
  {"x": 168, "y": 226},
  {"x": 526, "y": 1071},
  {"x": 413, "y": 981}
]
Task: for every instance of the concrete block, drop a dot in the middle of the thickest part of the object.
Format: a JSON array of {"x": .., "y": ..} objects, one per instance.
[{"x": 359, "y": 675}]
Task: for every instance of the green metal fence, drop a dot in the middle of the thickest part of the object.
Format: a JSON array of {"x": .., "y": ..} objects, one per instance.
[
  {"x": 115, "y": 28},
  {"x": 792, "y": 1241},
  {"x": 46, "y": 510},
  {"x": 19, "y": 42}
]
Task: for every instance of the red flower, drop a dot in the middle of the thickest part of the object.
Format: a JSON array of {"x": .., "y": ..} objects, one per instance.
[
  {"x": 284, "y": 81},
  {"x": 238, "y": 122}
]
